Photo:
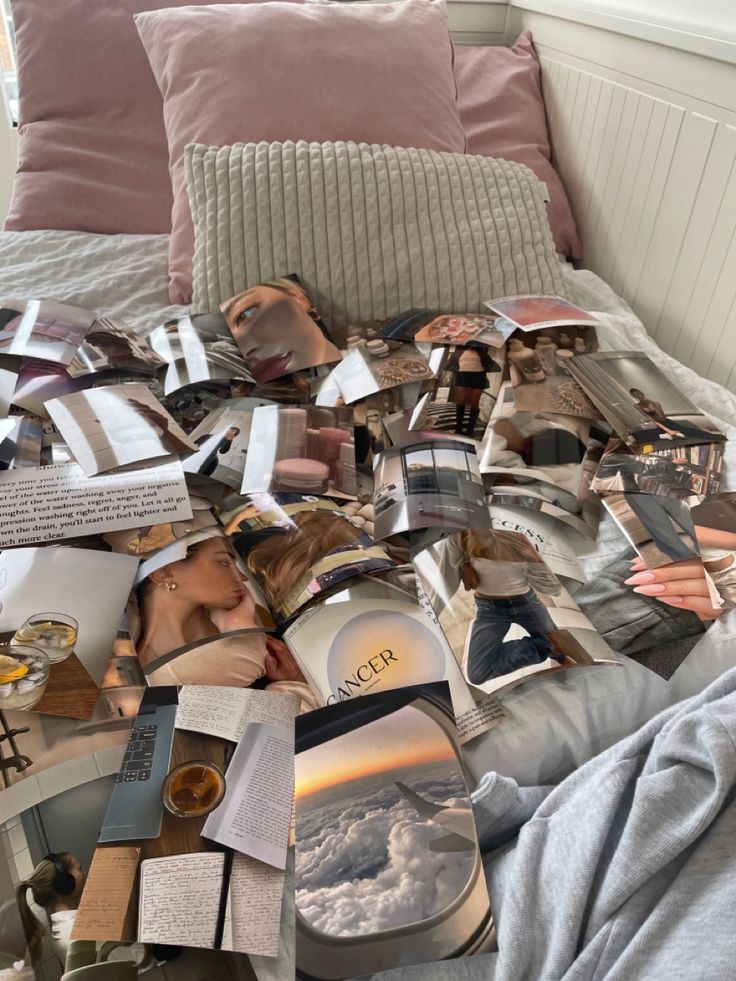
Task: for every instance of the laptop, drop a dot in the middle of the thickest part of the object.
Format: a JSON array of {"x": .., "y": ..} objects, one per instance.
[{"x": 135, "y": 809}]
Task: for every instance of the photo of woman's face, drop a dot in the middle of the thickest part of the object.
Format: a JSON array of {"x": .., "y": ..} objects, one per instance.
[
  {"x": 275, "y": 333},
  {"x": 210, "y": 577}
]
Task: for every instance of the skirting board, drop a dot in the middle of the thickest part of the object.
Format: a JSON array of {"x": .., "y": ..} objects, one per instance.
[{"x": 644, "y": 136}]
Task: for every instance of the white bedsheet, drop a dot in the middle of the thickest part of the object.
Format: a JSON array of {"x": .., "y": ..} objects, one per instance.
[{"x": 557, "y": 722}]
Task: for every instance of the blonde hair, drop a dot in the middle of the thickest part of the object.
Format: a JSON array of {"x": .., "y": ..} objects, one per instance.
[
  {"x": 41, "y": 883},
  {"x": 281, "y": 560},
  {"x": 499, "y": 546}
]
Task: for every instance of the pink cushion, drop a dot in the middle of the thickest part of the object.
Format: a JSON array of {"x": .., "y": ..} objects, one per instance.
[
  {"x": 502, "y": 112},
  {"x": 374, "y": 73},
  {"x": 93, "y": 151}
]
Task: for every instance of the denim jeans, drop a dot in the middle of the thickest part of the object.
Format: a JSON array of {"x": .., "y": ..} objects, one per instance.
[{"x": 488, "y": 655}]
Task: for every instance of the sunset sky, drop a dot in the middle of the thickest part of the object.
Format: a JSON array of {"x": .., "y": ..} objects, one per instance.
[{"x": 405, "y": 738}]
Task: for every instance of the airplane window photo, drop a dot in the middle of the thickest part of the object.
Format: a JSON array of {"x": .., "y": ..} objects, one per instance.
[{"x": 385, "y": 833}]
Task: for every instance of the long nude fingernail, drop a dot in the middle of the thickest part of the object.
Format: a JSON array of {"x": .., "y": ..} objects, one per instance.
[
  {"x": 639, "y": 578},
  {"x": 657, "y": 587}
]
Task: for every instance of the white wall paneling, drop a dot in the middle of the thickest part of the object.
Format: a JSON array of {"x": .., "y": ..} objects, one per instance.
[{"x": 644, "y": 136}]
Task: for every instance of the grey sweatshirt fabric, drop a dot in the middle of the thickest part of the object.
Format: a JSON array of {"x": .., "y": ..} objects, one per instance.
[{"x": 626, "y": 871}]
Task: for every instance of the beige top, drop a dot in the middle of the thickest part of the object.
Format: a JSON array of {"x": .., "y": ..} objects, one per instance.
[{"x": 469, "y": 360}]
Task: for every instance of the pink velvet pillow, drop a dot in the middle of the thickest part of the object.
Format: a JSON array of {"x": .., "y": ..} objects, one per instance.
[
  {"x": 93, "y": 151},
  {"x": 373, "y": 73},
  {"x": 501, "y": 108}
]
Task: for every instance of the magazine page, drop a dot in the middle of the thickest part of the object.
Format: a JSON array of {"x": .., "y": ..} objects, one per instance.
[
  {"x": 380, "y": 789},
  {"x": 197, "y": 349},
  {"x": 255, "y": 813},
  {"x": 297, "y": 546},
  {"x": 59, "y": 614},
  {"x": 547, "y": 500},
  {"x": 301, "y": 449},
  {"x": 44, "y": 504},
  {"x": 373, "y": 636},
  {"x": 278, "y": 330},
  {"x": 43, "y": 329},
  {"x": 373, "y": 364},
  {"x": 715, "y": 527},
  {"x": 504, "y": 612},
  {"x": 545, "y": 533},
  {"x": 643, "y": 406},
  {"x": 434, "y": 483},
  {"x": 468, "y": 382}
]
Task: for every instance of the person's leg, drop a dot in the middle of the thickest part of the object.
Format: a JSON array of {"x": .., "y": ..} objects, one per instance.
[
  {"x": 656, "y": 521},
  {"x": 459, "y": 413},
  {"x": 530, "y": 613},
  {"x": 489, "y": 656}
]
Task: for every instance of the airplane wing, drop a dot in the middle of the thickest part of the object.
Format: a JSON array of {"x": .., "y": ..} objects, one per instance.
[
  {"x": 424, "y": 808},
  {"x": 451, "y": 843}
]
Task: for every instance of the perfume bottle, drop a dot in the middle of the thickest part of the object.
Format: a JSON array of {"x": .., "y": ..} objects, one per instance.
[{"x": 526, "y": 361}]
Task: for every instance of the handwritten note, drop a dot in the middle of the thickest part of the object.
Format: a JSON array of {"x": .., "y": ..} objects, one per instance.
[
  {"x": 108, "y": 891},
  {"x": 44, "y": 504},
  {"x": 252, "y": 921},
  {"x": 180, "y": 899},
  {"x": 225, "y": 712}
]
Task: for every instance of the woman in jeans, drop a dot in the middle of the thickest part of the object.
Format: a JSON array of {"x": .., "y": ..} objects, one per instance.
[{"x": 504, "y": 571}]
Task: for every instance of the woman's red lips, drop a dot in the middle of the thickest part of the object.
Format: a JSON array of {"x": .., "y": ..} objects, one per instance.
[{"x": 270, "y": 368}]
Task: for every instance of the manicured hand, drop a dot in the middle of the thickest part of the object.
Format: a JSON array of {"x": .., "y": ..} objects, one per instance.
[
  {"x": 679, "y": 584},
  {"x": 241, "y": 617}
]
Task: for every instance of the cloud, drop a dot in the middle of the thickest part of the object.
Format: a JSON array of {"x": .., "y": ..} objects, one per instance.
[{"x": 367, "y": 867}]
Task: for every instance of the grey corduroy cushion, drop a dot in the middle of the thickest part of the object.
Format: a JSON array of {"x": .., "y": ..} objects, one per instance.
[{"x": 371, "y": 230}]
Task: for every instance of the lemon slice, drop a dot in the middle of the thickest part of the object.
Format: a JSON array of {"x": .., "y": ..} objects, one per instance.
[{"x": 11, "y": 669}]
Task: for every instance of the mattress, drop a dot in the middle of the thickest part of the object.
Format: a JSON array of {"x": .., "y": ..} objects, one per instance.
[{"x": 554, "y": 723}]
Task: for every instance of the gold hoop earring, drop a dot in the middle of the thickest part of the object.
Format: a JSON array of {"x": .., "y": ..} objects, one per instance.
[{"x": 169, "y": 585}]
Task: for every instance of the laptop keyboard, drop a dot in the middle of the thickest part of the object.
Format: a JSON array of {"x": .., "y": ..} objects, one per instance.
[{"x": 138, "y": 759}]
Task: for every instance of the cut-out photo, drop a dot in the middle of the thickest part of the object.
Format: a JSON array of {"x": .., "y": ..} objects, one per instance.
[
  {"x": 376, "y": 365},
  {"x": 111, "y": 345},
  {"x": 659, "y": 527},
  {"x": 119, "y": 424},
  {"x": 453, "y": 328},
  {"x": 429, "y": 484},
  {"x": 541, "y": 383},
  {"x": 59, "y": 616},
  {"x": 223, "y": 437},
  {"x": 504, "y": 612},
  {"x": 21, "y": 439},
  {"x": 645, "y": 408},
  {"x": 687, "y": 473},
  {"x": 197, "y": 349},
  {"x": 531, "y": 312},
  {"x": 388, "y": 870},
  {"x": 278, "y": 330},
  {"x": 296, "y": 547},
  {"x": 550, "y": 449},
  {"x": 301, "y": 450},
  {"x": 42, "y": 329},
  {"x": 462, "y": 399},
  {"x": 192, "y": 848}
]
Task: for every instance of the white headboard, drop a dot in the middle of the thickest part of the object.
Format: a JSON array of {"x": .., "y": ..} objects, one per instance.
[{"x": 643, "y": 124}]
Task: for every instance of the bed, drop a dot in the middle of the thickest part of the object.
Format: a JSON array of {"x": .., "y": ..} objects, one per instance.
[{"x": 625, "y": 189}]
